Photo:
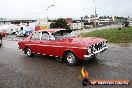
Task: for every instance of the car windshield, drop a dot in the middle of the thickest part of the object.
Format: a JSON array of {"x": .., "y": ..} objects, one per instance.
[{"x": 60, "y": 36}]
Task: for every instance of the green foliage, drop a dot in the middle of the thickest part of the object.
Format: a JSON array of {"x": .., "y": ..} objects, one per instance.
[
  {"x": 112, "y": 35},
  {"x": 105, "y": 17},
  {"x": 86, "y": 17},
  {"x": 92, "y": 16},
  {"x": 60, "y": 23},
  {"x": 126, "y": 22}
]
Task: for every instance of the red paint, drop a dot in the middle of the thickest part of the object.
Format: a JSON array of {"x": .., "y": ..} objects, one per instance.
[
  {"x": 4, "y": 34},
  {"x": 79, "y": 46}
]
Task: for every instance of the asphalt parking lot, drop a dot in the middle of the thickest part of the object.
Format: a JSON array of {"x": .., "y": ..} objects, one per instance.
[{"x": 19, "y": 71}]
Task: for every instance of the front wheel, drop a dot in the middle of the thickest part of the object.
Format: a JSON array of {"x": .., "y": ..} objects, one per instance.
[
  {"x": 29, "y": 52},
  {"x": 71, "y": 58}
]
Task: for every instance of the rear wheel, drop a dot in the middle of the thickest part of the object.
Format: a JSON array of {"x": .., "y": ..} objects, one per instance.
[
  {"x": 0, "y": 43},
  {"x": 71, "y": 58},
  {"x": 29, "y": 52}
]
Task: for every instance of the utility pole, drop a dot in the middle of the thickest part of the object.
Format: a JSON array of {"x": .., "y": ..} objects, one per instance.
[{"x": 95, "y": 14}]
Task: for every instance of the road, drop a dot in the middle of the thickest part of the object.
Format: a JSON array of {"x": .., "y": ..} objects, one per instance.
[{"x": 20, "y": 71}]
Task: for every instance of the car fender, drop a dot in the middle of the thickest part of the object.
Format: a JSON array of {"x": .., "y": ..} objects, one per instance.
[{"x": 68, "y": 50}]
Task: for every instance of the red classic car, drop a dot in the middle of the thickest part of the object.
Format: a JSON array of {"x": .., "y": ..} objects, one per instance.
[
  {"x": 4, "y": 34},
  {"x": 59, "y": 43}
]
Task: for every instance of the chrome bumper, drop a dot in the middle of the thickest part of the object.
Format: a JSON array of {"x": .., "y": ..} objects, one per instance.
[{"x": 87, "y": 57}]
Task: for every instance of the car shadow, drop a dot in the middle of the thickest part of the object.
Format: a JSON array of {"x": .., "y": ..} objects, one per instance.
[{"x": 50, "y": 59}]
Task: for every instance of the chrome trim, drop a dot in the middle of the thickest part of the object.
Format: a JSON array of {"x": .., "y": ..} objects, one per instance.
[
  {"x": 57, "y": 46},
  {"x": 96, "y": 48},
  {"x": 88, "y": 56},
  {"x": 96, "y": 52}
]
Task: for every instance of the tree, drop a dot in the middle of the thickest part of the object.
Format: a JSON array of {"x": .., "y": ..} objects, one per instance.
[
  {"x": 105, "y": 17},
  {"x": 86, "y": 17},
  {"x": 126, "y": 22},
  {"x": 60, "y": 23},
  {"x": 92, "y": 16},
  {"x": 108, "y": 17}
]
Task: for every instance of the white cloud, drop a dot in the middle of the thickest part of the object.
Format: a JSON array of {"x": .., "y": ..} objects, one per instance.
[{"x": 64, "y": 8}]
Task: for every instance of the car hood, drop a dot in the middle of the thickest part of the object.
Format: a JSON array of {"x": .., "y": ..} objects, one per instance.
[{"x": 85, "y": 41}]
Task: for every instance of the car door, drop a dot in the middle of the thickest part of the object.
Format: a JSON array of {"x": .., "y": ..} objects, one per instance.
[
  {"x": 46, "y": 44},
  {"x": 35, "y": 43}
]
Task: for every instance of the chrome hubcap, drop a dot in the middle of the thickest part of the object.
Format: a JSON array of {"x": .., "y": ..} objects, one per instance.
[{"x": 70, "y": 58}]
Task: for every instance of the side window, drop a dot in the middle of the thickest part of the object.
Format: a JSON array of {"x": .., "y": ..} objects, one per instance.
[
  {"x": 45, "y": 36},
  {"x": 36, "y": 36}
]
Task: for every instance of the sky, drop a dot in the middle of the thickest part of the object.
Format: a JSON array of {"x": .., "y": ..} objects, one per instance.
[{"x": 63, "y": 8}]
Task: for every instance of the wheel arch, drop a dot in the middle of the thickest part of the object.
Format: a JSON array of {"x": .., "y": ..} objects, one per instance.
[
  {"x": 68, "y": 50},
  {"x": 76, "y": 57},
  {"x": 25, "y": 49}
]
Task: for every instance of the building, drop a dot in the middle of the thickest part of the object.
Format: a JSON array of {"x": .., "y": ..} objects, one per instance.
[
  {"x": 16, "y": 20},
  {"x": 70, "y": 22}
]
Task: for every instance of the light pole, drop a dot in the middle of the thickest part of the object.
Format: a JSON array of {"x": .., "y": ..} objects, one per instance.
[
  {"x": 48, "y": 9},
  {"x": 95, "y": 14}
]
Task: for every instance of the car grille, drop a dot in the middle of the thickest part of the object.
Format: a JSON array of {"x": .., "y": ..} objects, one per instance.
[{"x": 94, "y": 49}]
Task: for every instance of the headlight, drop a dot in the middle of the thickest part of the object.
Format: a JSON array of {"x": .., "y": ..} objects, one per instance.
[
  {"x": 89, "y": 50},
  {"x": 104, "y": 44},
  {"x": 93, "y": 48}
]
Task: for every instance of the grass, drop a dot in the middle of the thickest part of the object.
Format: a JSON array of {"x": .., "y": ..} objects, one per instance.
[{"x": 112, "y": 35}]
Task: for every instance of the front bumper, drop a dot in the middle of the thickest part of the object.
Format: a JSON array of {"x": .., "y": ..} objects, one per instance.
[{"x": 87, "y": 57}]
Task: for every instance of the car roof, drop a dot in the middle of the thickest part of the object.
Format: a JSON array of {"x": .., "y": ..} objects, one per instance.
[{"x": 51, "y": 30}]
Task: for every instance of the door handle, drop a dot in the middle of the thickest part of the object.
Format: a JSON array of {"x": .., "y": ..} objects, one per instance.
[
  {"x": 29, "y": 41},
  {"x": 41, "y": 42}
]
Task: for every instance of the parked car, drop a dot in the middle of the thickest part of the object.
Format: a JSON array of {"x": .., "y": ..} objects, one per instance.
[
  {"x": 0, "y": 43},
  {"x": 59, "y": 43},
  {"x": 24, "y": 32},
  {"x": 0, "y": 40},
  {"x": 4, "y": 34}
]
